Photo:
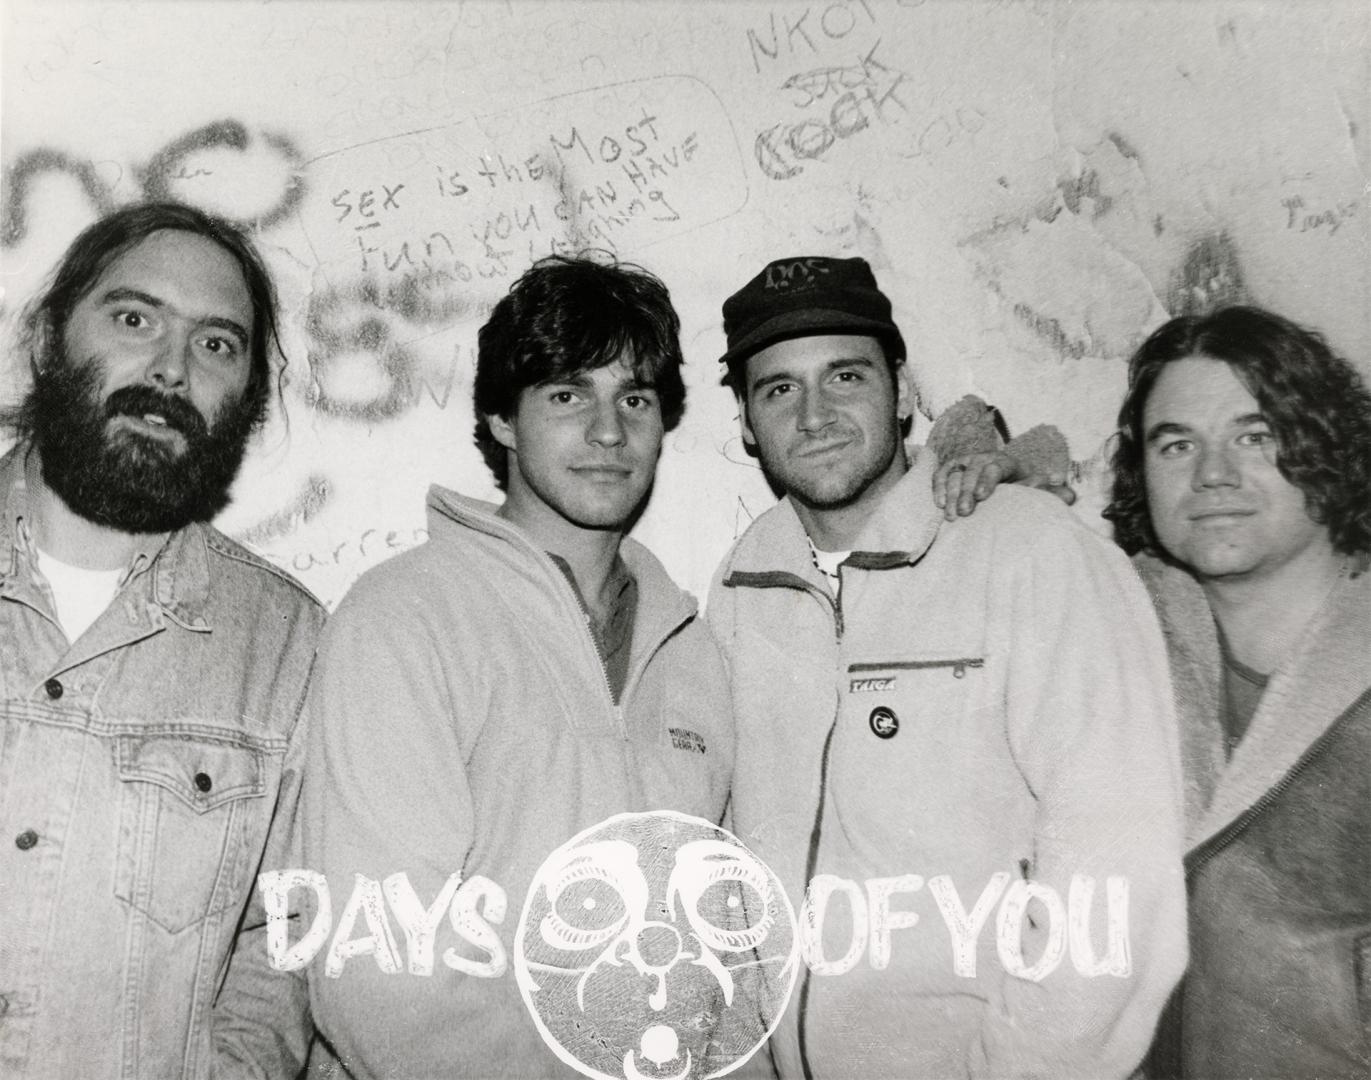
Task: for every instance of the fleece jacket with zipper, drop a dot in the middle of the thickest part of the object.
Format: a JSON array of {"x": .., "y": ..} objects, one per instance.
[
  {"x": 463, "y": 723},
  {"x": 986, "y": 704}
]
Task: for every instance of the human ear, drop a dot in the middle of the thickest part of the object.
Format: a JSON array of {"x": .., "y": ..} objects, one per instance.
[
  {"x": 502, "y": 430},
  {"x": 749, "y": 439},
  {"x": 905, "y": 400}
]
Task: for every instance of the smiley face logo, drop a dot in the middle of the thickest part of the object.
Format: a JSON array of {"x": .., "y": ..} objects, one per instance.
[{"x": 655, "y": 947}]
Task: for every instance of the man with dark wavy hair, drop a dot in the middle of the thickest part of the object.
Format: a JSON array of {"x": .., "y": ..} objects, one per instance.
[
  {"x": 151, "y": 669},
  {"x": 525, "y": 674},
  {"x": 1242, "y": 484},
  {"x": 1242, "y": 489}
]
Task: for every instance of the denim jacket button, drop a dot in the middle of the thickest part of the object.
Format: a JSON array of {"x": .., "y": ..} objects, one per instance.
[
  {"x": 26, "y": 840},
  {"x": 54, "y": 688},
  {"x": 202, "y": 782}
]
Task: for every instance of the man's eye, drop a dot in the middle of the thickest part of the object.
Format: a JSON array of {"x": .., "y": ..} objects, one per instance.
[
  {"x": 1255, "y": 438},
  {"x": 1174, "y": 448},
  {"x": 847, "y": 376},
  {"x": 778, "y": 390},
  {"x": 134, "y": 320},
  {"x": 562, "y": 397},
  {"x": 221, "y": 346},
  {"x": 639, "y": 401}
]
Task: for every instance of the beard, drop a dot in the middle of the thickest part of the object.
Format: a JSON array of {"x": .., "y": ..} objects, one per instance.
[
  {"x": 127, "y": 480},
  {"x": 840, "y": 484}
]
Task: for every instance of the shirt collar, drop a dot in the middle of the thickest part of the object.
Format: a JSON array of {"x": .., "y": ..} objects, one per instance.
[
  {"x": 898, "y": 533},
  {"x": 178, "y": 561}
]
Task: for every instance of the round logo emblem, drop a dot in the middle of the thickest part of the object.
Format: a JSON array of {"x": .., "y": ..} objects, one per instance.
[
  {"x": 655, "y": 947},
  {"x": 884, "y": 722}
]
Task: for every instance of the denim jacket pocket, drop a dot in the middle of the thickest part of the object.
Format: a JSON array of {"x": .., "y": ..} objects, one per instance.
[{"x": 185, "y": 811}]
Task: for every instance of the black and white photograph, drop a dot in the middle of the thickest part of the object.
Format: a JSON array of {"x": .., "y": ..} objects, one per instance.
[{"x": 672, "y": 539}]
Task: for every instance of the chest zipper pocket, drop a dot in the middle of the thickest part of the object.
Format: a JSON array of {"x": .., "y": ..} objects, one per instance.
[
  {"x": 185, "y": 842},
  {"x": 958, "y": 666},
  {"x": 890, "y": 695}
]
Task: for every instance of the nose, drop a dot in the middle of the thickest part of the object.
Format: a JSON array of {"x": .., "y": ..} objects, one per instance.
[
  {"x": 606, "y": 425},
  {"x": 170, "y": 365},
  {"x": 816, "y": 412},
  {"x": 1214, "y": 468}
]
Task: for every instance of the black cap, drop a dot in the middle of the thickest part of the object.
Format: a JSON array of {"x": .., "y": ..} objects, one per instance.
[{"x": 804, "y": 296}]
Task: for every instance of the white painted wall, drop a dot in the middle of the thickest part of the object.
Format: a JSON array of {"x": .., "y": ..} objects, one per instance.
[{"x": 1038, "y": 184}]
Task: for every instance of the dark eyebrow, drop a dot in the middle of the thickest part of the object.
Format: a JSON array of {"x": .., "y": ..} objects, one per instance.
[
  {"x": 578, "y": 379},
  {"x": 1251, "y": 418},
  {"x": 115, "y": 295},
  {"x": 1166, "y": 427},
  {"x": 633, "y": 382},
  {"x": 849, "y": 361},
  {"x": 776, "y": 377},
  {"x": 582, "y": 380},
  {"x": 828, "y": 369},
  {"x": 218, "y": 322},
  {"x": 231, "y": 326}
]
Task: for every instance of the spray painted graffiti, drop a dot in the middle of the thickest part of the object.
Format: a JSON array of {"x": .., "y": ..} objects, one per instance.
[
  {"x": 19, "y": 182},
  {"x": 361, "y": 323},
  {"x": 161, "y": 177},
  {"x": 1209, "y": 277},
  {"x": 412, "y": 246},
  {"x": 173, "y": 162}
]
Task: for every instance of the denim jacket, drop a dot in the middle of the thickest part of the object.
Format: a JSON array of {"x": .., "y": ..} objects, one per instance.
[{"x": 140, "y": 771}]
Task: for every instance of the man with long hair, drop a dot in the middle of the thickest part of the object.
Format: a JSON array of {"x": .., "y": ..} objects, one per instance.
[
  {"x": 1242, "y": 489},
  {"x": 1242, "y": 485},
  {"x": 152, "y": 669}
]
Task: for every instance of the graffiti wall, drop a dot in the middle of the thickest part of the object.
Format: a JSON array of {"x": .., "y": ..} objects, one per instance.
[{"x": 1037, "y": 183}]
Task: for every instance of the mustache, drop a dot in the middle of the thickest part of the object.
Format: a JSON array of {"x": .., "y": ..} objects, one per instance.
[{"x": 138, "y": 401}]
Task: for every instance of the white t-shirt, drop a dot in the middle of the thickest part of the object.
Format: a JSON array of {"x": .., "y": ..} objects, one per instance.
[
  {"x": 80, "y": 594},
  {"x": 828, "y": 563}
]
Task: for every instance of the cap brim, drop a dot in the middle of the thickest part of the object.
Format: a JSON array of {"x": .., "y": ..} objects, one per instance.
[{"x": 806, "y": 322}]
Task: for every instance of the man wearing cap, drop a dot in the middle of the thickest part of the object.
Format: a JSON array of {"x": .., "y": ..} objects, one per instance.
[{"x": 972, "y": 719}]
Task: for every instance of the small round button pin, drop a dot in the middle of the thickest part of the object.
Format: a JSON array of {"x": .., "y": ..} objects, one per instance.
[
  {"x": 884, "y": 723},
  {"x": 26, "y": 839},
  {"x": 202, "y": 782},
  {"x": 53, "y": 688}
]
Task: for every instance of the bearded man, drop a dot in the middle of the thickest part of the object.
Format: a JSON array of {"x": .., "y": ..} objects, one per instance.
[{"x": 151, "y": 669}]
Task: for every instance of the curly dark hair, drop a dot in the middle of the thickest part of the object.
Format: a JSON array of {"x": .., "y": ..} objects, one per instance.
[
  {"x": 1316, "y": 403},
  {"x": 105, "y": 240},
  {"x": 569, "y": 314}
]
